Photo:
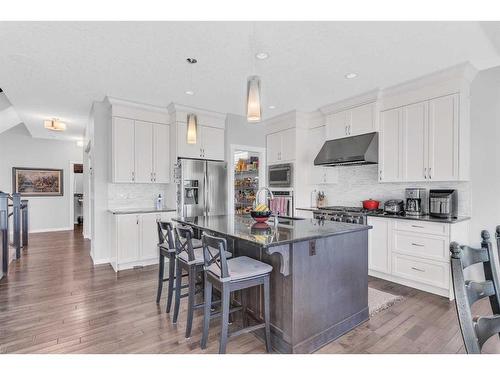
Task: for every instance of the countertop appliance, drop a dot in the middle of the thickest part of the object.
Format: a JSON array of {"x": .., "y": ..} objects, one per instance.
[
  {"x": 201, "y": 187},
  {"x": 358, "y": 149},
  {"x": 394, "y": 206},
  {"x": 416, "y": 201},
  {"x": 443, "y": 203},
  {"x": 280, "y": 175},
  {"x": 355, "y": 215}
]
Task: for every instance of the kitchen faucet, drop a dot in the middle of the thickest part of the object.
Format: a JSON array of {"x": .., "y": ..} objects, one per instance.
[{"x": 271, "y": 197}]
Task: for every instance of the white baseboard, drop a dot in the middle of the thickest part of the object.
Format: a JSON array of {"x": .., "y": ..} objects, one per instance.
[{"x": 51, "y": 230}]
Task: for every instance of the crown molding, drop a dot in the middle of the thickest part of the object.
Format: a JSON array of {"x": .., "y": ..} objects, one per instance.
[
  {"x": 128, "y": 103},
  {"x": 176, "y": 107},
  {"x": 354, "y": 101}
]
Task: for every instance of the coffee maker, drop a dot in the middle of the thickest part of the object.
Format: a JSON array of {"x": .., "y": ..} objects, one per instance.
[{"x": 416, "y": 202}]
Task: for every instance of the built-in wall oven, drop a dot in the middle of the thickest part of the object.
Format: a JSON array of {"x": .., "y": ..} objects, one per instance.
[{"x": 280, "y": 175}]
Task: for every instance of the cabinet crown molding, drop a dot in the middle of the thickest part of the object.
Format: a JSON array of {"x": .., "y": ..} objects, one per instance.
[
  {"x": 354, "y": 101},
  {"x": 176, "y": 107},
  {"x": 127, "y": 103}
]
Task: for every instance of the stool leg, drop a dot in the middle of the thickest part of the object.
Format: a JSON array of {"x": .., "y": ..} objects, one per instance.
[
  {"x": 178, "y": 279},
  {"x": 267, "y": 314},
  {"x": 161, "y": 267},
  {"x": 171, "y": 279},
  {"x": 206, "y": 312},
  {"x": 244, "y": 305},
  {"x": 191, "y": 290},
  {"x": 226, "y": 299}
]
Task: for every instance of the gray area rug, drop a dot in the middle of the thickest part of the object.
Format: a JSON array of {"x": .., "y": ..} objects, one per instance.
[{"x": 379, "y": 301}]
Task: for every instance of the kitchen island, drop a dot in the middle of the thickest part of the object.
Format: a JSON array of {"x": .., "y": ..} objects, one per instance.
[{"x": 319, "y": 282}]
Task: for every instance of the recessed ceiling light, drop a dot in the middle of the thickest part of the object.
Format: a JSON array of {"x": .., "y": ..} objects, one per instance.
[
  {"x": 189, "y": 92},
  {"x": 272, "y": 107},
  {"x": 351, "y": 75},
  {"x": 191, "y": 60},
  {"x": 262, "y": 55}
]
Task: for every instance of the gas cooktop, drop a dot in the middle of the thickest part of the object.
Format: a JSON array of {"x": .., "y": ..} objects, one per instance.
[{"x": 348, "y": 209}]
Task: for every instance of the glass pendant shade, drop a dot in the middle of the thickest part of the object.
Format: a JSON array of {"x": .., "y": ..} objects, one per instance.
[
  {"x": 192, "y": 129},
  {"x": 254, "y": 110}
]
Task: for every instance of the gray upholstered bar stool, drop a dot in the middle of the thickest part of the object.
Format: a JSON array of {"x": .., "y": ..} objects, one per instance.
[
  {"x": 230, "y": 275},
  {"x": 190, "y": 259},
  {"x": 166, "y": 247}
]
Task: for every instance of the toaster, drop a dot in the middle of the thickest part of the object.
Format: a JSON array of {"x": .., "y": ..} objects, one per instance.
[{"x": 394, "y": 206}]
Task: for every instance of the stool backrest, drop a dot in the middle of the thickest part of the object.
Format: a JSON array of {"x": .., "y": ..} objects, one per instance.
[
  {"x": 165, "y": 234},
  {"x": 184, "y": 240},
  {"x": 214, "y": 251},
  {"x": 475, "y": 332},
  {"x": 498, "y": 241}
]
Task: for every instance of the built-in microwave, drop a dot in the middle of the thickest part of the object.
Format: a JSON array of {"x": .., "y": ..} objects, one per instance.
[{"x": 280, "y": 175}]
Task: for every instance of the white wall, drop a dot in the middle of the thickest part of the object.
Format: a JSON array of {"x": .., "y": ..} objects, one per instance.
[
  {"x": 485, "y": 157},
  {"x": 19, "y": 149},
  {"x": 240, "y": 132}
]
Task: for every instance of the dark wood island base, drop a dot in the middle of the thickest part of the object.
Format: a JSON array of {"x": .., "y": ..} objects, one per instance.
[{"x": 319, "y": 282}]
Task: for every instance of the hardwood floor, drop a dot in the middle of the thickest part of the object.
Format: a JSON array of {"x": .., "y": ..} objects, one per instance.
[{"x": 55, "y": 301}]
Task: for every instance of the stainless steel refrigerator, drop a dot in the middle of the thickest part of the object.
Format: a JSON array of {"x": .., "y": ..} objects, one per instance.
[{"x": 201, "y": 187}]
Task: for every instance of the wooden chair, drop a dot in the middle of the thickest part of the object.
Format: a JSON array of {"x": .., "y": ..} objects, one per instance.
[
  {"x": 229, "y": 276},
  {"x": 189, "y": 258},
  {"x": 475, "y": 330}
]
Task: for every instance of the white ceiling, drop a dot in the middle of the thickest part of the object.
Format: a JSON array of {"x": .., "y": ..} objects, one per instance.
[{"x": 56, "y": 69}]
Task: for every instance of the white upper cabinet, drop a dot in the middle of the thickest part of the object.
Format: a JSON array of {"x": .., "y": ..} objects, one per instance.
[
  {"x": 161, "y": 153},
  {"x": 362, "y": 119},
  {"x": 281, "y": 146},
  {"x": 143, "y": 152},
  {"x": 355, "y": 121},
  {"x": 319, "y": 175},
  {"x": 443, "y": 138},
  {"x": 140, "y": 151},
  {"x": 209, "y": 143},
  {"x": 212, "y": 143},
  {"x": 415, "y": 119},
  {"x": 123, "y": 150},
  {"x": 390, "y": 146},
  {"x": 336, "y": 125}
]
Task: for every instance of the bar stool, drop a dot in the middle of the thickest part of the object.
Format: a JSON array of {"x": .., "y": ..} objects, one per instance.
[
  {"x": 229, "y": 276},
  {"x": 166, "y": 248},
  {"x": 190, "y": 259}
]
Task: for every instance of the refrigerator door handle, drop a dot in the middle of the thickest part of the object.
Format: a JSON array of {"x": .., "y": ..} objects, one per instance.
[{"x": 207, "y": 206}]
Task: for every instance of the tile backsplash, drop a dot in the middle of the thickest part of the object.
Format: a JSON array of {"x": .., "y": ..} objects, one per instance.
[
  {"x": 357, "y": 183},
  {"x": 139, "y": 195}
]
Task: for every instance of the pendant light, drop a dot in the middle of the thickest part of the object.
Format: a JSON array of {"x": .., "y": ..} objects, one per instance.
[
  {"x": 254, "y": 108},
  {"x": 192, "y": 120},
  {"x": 192, "y": 129}
]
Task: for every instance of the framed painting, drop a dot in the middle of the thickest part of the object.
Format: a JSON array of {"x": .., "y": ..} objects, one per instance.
[{"x": 37, "y": 182}]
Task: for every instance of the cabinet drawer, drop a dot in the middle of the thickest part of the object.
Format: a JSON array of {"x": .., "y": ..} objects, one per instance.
[
  {"x": 422, "y": 227},
  {"x": 428, "y": 246},
  {"x": 424, "y": 271}
]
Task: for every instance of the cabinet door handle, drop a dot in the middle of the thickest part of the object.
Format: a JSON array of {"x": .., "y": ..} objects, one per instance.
[
  {"x": 380, "y": 175},
  {"x": 430, "y": 175},
  {"x": 425, "y": 173},
  {"x": 417, "y": 226},
  {"x": 137, "y": 220},
  {"x": 417, "y": 244},
  {"x": 418, "y": 269},
  {"x": 133, "y": 176},
  {"x": 345, "y": 130},
  {"x": 349, "y": 128}
]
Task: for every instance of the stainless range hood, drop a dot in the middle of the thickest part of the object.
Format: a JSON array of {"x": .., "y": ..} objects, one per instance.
[{"x": 356, "y": 150}]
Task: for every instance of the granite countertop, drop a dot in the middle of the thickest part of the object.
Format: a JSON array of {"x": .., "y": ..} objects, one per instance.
[
  {"x": 450, "y": 220},
  {"x": 139, "y": 210},
  {"x": 243, "y": 227}
]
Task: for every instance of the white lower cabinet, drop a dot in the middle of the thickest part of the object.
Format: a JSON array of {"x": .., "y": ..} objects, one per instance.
[
  {"x": 413, "y": 252},
  {"x": 135, "y": 239}
]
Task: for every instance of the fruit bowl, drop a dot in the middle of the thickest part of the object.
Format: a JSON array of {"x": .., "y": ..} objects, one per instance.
[{"x": 260, "y": 216}]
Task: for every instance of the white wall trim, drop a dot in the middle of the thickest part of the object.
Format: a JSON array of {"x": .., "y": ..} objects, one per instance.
[
  {"x": 354, "y": 101},
  {"x": 51, "y": 230},
  {"x": 176, "y": 107},
  {"x": 128, "y": 103},
  {"x": 230, "y": 163}
]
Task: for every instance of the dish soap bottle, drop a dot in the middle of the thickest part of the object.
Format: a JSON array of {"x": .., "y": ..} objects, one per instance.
[{"x": 159, "y": 202}]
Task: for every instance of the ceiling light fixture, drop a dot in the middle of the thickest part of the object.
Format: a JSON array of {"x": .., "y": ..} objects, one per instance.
[
  {"x": 262, "y": 55},
  {"x": 191, "y": 120},
  {"x": 192, "y": 129},
  {"x": 254, "y": 108},
  {"x": 351, "y": 75},
  {"x": 54, "y": 125}
]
